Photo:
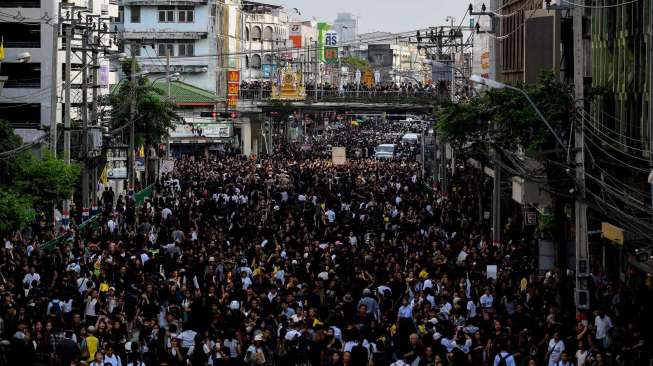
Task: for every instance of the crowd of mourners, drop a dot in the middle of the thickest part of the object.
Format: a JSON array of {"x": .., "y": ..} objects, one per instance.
[{"x": 291, "y": 260}]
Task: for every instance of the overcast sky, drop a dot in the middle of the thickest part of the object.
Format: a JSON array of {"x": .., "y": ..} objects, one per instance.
[{"x": 381, "y": 15}]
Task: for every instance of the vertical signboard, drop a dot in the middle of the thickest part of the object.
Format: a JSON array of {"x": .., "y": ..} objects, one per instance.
[
  {"x": 233, "y": 86},
  {"x": 331, "y": 54},
  {"x": 322, "y": 28},
  {"x": 295, "y": 35}
]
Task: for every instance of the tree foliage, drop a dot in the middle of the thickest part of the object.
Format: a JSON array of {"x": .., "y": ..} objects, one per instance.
[
  {"x": 355, "y": 62},
  {"x": 505, "y": 118},
  {"x": 15, "y": 211},
  {"x": 155, "y": 114},
  {"x": 8, "y": 139},
  {"x": 46, "y": 180}
]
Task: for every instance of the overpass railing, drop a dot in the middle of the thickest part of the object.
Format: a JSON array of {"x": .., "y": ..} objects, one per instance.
[{"x": 379, "y": 96}]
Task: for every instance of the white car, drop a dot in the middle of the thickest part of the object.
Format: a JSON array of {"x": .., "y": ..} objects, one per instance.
[{"x": 385, "y": 151}]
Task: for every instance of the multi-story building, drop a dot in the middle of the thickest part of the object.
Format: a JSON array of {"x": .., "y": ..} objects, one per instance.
[
  {"x": 346, "y": 25},
  {"x": 303, "y": 38},
  {"x": 31, "y": 97},
  {"x": 189, "y": 32},
  {"x": 267, "y": 31},
  {"x": 530, "y": 39},
  {"x": 484, "y": 60}
]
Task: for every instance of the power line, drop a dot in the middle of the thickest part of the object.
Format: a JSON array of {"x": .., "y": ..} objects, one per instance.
[{"x": 599, "y": 6}]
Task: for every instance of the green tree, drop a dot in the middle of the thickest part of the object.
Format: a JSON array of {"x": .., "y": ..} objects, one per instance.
[
  {"x": 155, "y": 114},
  {"x": 8, "y": 141},
  {"x": 355, "y": 62},
  {"x": 46, "y": 180},
  {"x": 503, "y": 117},
  {"x": 15, "y": 211}
]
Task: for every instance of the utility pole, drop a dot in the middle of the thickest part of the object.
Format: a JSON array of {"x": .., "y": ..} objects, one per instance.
[
  {"x": 84, "y": 153},
  {"x": 582, "y": 251},
  {"x": 54, "y": 93},
  {"x": 65, "y": 216},
  {"x": 168, "y": 144},
  {"x": 95, "y": 70},
  {"x": 131, "y": 169},
  {"x": 496, "y": 198},
  {"x": 650, "y": 94}
]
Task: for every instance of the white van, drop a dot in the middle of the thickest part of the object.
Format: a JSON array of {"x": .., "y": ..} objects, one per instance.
[
  {"x": 385, "y": 151},
  {"x": 411, "y": 138}
]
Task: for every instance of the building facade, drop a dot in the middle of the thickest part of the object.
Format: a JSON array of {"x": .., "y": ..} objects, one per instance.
[
  {"x": 188, "y": 32},
  {"x": 32, "y": 95},
  {"x": 267, "y": 38},
  {"x": 346, "y": 25}
]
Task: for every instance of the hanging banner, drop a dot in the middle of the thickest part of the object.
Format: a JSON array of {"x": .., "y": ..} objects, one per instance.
[
  {"x": 331, "y": 39},
  {"x": 322, "y": 28},
  {"x": 368, "y": 78},
  {"x": 233, "y": 87},
  {"x": 331, "y": 55}
]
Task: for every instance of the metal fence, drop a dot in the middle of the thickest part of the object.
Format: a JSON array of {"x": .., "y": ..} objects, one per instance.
[{"x": 351, "y": 95}]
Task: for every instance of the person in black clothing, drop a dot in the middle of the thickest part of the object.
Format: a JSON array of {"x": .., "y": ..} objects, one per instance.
[{"x": 67, "y": 350}]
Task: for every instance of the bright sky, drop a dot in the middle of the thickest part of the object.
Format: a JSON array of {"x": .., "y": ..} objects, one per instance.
[{"x": 381, "y": 15}]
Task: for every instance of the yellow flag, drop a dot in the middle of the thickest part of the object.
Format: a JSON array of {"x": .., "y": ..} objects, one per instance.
[
  {"x": 104, "y": 178},
  {"x": 2, "y": 49},
  {"x": 141, "y": 152}
]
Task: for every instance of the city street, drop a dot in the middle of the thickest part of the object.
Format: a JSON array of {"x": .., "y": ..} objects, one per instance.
[{"x": 342, "y": 183}]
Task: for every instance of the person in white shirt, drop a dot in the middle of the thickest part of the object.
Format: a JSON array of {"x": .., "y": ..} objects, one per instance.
[
  {"x": 504, "y": 355},
  {"x": 487, "y": 300},
  {"x": 581, "y": 354},
  {"x": 405, "y": 310},
  {"x": 110, "y": 357},
  {"x": 331, "y": 216},
  {"x": 555, "y": 348},
  {"x": 603, "y": 324},
  {"x": 31, "y": 277}
]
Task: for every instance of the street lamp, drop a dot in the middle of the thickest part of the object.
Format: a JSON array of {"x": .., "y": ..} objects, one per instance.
[{"x": 493, "y": 84}]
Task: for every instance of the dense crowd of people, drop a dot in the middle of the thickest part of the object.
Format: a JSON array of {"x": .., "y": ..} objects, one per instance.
[{"x": 292, "y": 260}]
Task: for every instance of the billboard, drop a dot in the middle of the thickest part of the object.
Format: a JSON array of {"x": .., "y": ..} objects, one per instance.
[
  {"x": 296, "y": 41},
  {"x": 233, "y": 87},
  {"x": 322, "y": 28},
  {"x": 380, "y": 55}
]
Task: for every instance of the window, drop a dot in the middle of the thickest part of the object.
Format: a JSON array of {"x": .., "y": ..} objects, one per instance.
[
  {"x": 166, "y": 14},
  {"x": 21, "y": 35},
  {"x": 135, "y": 14},
  {"x": 74, "y": 70},
  {"x": 20, "y": 4},
  {"x": 186, "y": 49},
  {"x": 21, "y": 115},
  {"x": 256, "y": 33},
  {"x": 256, "y": 61},
  {"x": 22, "y": 75},
  {"x": 165, "y": 47},
  {"x": 121, "y": 14},
  {"x": 186, "y": 14}
]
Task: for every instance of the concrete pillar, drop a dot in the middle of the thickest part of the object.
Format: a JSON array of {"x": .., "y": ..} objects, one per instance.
[{"x": 246, "y": 137}]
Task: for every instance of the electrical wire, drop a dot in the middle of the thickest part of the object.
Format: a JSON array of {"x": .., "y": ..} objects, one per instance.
[
  {"x": 635, "y": 157},
  {"x": 308, "y": 48},
  {"x": 524, "y": 5},
  {"x": 598, "y": 133},
  {"x": 520, "y": 26},
  {"x": 598, "y": 6}
]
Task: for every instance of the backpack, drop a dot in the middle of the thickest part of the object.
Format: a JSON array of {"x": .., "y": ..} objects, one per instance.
[
  {"x": 57, "y": 307},
  {"x": 502, "y": 360}
]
